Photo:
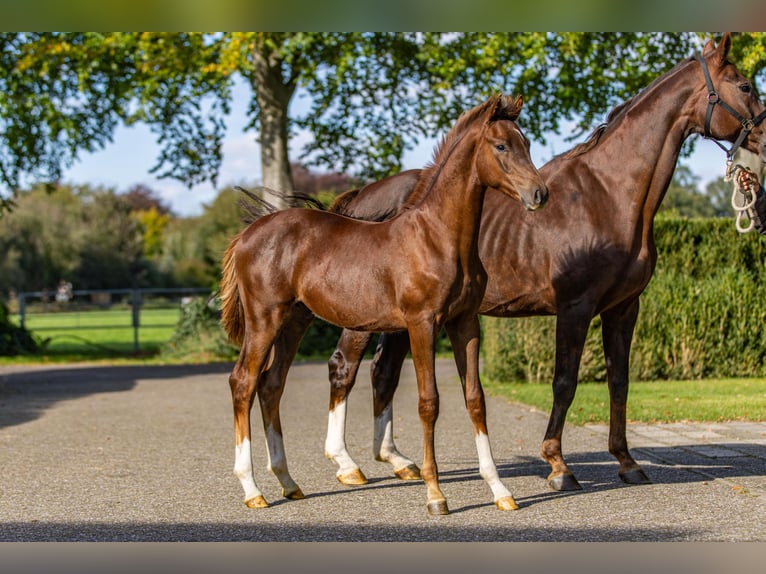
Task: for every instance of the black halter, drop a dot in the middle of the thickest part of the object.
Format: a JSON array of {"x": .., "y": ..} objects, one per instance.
[{"x": 712, "y": 99}]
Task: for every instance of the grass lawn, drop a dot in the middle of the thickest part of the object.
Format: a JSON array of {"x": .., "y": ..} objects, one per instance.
[
  {"x": 658, "y": 401},
  {"x": 93, "y": 335}
]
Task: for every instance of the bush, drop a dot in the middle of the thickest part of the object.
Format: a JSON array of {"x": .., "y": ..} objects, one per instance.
[
  {"x": 701, "y": 315},
  {"x": 14, "y": 340}
]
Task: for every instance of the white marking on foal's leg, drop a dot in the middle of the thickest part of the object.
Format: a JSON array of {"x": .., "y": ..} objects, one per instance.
[
  {"x": 487, "y": 467},
  {"x": 277, "y": 464},
  {"x": 243, "y": 470},
  {"x": 383, "y": 447},
  {"x": 335, "y": 443}
]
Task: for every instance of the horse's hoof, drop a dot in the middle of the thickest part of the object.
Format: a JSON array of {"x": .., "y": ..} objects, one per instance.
[
  {"x": 296, "y": 494},
  {"x": 635, "y": 476},
  {"x": 409, "y": 472},
  {"x": 352, "y": 478},
  {"x": 506, "y": 503},
  {"x": 256, "y": 502},
  {"x": 564, "y": 482},
  {"x": 438, "y": 507}
]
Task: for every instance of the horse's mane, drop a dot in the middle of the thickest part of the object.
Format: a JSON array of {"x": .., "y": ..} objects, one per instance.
[
  {"x": 502, "y": 107},
  {"x": 617, "y": 113}
]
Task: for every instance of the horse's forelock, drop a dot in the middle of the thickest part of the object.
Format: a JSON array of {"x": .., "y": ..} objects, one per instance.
[{"x": 507, "y": 108}]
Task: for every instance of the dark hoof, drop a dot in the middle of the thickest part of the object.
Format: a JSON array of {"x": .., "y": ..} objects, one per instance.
[
  {"x": 564, "y": 482},
  {"x": 635, "y": 476},
  {"x": 438, "y": 507}
]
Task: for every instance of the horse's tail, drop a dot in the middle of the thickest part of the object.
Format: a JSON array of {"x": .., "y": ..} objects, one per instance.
[{"x": 232, "y": 310}]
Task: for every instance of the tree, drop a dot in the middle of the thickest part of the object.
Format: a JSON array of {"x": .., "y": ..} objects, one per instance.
[{"x": 372, "y": 95}]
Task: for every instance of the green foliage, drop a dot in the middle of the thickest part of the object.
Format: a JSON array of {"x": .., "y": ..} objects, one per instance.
[
  {"x": 14, "y": 340},
  {"x": 701, "y": 315},
  {"x": 198, "y": 336}
]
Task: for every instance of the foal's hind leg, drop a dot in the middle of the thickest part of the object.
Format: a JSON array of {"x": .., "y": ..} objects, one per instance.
[
  {"x": 385, "y": 372},
  {"x": 343, "y": 367},
  {"x": 270, "y": 388},
  {"x": 617, "y": 333},
  {"x": 464, "y": 334},
  {"x": 243, "y": 383}
]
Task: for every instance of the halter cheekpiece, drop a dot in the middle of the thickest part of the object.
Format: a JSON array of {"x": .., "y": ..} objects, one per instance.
[{"x": 712, "y": 99}]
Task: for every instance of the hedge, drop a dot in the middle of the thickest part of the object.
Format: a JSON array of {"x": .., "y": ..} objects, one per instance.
[{"x": 701, "y": 316}]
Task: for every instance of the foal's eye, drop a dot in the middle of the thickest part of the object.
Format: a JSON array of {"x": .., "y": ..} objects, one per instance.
[
  {"x": 745, "y": 88},
  {"x": 500, "y": 147}
]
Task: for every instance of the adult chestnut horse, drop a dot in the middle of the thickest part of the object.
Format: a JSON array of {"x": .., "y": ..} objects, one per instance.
[
  {"x": 590, "y": 253},
  {"x": 423, "y": 273}
]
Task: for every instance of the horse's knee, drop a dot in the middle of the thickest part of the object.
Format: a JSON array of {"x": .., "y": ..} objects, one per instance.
[{"x": 338, "y": 368}]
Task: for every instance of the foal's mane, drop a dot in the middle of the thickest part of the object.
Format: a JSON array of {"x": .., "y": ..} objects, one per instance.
[
  {"x": 618, "y": 112},
  {"x": 497, "y": 107}
]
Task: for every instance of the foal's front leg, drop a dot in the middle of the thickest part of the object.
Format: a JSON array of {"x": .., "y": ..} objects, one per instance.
[
  {"x": 464, "y": 334},
  {"x": 423, "y": 339}
]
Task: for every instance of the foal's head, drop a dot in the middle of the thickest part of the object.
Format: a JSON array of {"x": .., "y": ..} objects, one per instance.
[{"x": 502, "y": 157}]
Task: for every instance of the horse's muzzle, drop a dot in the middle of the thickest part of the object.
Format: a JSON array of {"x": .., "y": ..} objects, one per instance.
[{"x": 539, "y": 199}]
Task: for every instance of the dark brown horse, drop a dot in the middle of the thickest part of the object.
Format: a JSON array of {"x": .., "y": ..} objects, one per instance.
[
  {"x": 590, "y": 253},
  {"x": 423, "y": 273}
]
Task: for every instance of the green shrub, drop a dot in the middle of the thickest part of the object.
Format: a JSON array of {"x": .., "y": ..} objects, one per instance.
[{"x": 14, "y": 340}]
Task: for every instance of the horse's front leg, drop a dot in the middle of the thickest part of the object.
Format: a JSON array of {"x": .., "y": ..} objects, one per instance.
[
  {"x": 270, "y": 389},
  {"x": 571, "y": 330},
  {"x": 423, "y": 340},
  {"x": 343, "y": 367},
  {"x": 464, "y": 334},
  {"x": 617, "y": 333},
  {"x": 385, "y": 371}
]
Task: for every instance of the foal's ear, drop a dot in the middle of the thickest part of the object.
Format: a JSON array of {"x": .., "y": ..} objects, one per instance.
[{"x": 507, "y": 108}]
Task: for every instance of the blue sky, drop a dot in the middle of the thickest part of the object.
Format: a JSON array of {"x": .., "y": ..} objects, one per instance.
[{"x": 127, "y": 161}]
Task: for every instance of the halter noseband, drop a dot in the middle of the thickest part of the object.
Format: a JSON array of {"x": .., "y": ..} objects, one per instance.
[{"x": 712, "y": 99}]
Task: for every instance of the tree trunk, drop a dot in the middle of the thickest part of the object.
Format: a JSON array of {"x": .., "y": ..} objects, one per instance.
[{"x": 273, "y": 93}]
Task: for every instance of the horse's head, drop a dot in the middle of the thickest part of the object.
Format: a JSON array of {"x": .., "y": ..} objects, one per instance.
[
  {"x": 503, "y": 160},
  {"x": 729, "y": 108}
]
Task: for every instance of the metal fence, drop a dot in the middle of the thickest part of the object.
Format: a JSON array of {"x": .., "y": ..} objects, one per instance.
[{"x": 82, "y": 301}]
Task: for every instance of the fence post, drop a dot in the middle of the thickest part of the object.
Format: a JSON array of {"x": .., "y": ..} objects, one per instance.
[
  {"x": 135, "y": 298},
  {"x": 22, "y": 309}
]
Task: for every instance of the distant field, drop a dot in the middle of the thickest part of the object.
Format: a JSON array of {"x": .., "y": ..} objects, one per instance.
[{"x": 102, "y": 333}]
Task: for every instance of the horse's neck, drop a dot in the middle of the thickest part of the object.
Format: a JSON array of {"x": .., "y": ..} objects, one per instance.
[{"x": 638, "y": 156}]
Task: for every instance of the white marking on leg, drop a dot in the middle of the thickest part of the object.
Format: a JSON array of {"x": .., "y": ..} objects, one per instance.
[
  {"x": 487, "y": 467},
  {"x": 383, "y": 447},
  {"x": 277, "y": 463},
  {"x": 335, "y": 443},
  {"x": 243, "y": 469}
]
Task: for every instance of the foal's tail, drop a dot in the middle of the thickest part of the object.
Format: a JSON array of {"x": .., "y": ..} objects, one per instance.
[{"x": 232, "y": 311}]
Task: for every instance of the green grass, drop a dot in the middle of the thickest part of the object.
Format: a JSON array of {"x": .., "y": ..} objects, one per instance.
[
  {"x": 95, "y": 335},
  {"x": 658, "y": 401}
]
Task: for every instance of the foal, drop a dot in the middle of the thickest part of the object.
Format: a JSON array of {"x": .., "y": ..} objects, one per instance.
[{"x": 291, "y": 265}]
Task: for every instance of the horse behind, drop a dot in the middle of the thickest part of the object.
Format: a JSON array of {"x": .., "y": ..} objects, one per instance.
[
  {"x": 424, "y": 273},
  {"x": 593, "y": 255}
]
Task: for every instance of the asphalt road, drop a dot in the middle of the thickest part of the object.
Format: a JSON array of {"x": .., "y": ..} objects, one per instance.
[{"x": 146, "y": 454}]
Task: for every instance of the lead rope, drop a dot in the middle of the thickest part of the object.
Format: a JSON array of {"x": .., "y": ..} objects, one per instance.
[{"x": 742, "y": 199}]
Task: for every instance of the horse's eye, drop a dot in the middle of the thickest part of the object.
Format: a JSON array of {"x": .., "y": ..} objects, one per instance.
[
  {"x": 500, "y": 147},
  {"x": 745, "y": 88}
]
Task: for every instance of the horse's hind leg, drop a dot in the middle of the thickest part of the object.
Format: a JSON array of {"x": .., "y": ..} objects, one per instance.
[
  {"x": 385, "y": 371},
  {"x": 617, "y": 333},
  {"x": 243, "y": 382},
  {"x": 270, "y": 388},
  {"x": 464, "y": 334},
  {"x": 343, "y": 367}
]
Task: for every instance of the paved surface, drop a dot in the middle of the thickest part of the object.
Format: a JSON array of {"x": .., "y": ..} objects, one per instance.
[{"x": 146, "y": 454}]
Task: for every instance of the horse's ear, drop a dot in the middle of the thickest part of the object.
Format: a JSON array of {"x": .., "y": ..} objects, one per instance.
[
  {"x": 507, "y": 108},
  {"x": 721, "y": 51}
]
